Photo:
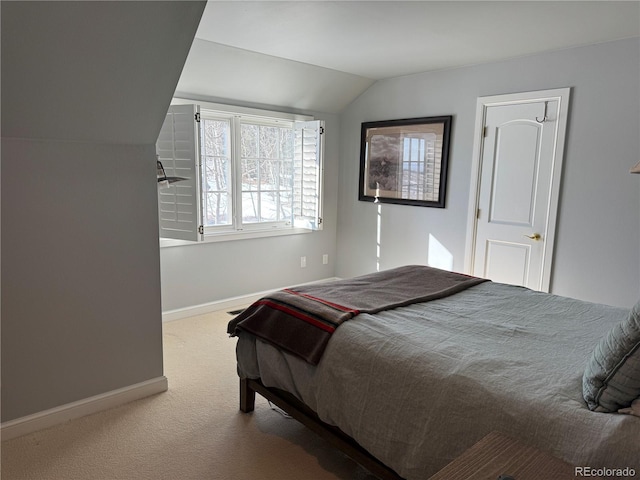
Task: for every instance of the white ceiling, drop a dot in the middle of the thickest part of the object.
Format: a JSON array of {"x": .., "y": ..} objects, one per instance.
[
  {"x": 382, "y": 39},
  {"x": 372, "y": 40}
]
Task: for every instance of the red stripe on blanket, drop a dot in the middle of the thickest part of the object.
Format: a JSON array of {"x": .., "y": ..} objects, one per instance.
[
  {"x": 296, "y": 314},
  {"x": 331, "y": 304},
  {"x": 301, "y": 320}
]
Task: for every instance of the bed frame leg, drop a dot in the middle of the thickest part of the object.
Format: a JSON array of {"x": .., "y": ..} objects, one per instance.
[{"x": 247, "y": 396}]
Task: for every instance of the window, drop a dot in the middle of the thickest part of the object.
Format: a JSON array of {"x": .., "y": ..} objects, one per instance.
[{"x": 251, "y": 172}]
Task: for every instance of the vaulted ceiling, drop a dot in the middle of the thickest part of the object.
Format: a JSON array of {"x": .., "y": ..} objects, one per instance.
[{"x": 320, "y": 55}]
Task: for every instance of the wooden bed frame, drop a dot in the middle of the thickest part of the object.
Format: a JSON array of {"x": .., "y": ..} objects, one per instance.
[{"x": 298, "y": 410}]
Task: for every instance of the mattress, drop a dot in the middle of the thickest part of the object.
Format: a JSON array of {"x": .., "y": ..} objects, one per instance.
[{"x": 419, "y": 384}]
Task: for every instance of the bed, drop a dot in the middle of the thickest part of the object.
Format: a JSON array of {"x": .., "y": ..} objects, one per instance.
[{"x": 406, "y": 380}]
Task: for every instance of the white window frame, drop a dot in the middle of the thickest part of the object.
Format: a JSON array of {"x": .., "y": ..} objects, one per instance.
[{"x": 236, "y": 230}]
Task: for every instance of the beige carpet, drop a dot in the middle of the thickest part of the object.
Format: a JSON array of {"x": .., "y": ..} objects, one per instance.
[{"x": 194, "y": 431}]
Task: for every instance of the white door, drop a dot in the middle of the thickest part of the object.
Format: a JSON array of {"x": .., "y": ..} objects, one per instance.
[{"x": 517, "y": 165}]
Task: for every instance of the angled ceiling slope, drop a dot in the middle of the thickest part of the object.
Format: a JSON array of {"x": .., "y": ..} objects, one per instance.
[
  {"x": 92, "y": 71},
  {"x": 218, "y": 72}
]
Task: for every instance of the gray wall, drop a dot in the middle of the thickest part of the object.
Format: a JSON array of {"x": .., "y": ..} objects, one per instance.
[
  {"x": 208, "y": 272},
  {"x": 597, "y": 255},
  {"x": 80, "y": 273},
  {"x": 85, "y": 86}
]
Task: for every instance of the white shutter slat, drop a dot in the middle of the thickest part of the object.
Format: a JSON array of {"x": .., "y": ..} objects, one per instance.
[
  {"x": 308, "y": 173},
  {"x": 177, "y": 149}
]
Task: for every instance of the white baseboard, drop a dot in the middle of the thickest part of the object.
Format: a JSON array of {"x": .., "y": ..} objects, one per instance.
[
  {"x": 55, "y": 416},
  {"x": 226, "y": 304}
]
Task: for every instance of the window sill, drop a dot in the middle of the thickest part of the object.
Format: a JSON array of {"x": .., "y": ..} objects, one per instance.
[{"x": 231, "y": 236}]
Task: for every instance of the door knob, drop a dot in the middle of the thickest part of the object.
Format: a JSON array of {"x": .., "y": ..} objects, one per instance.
[{"x": 535, "y": 237}]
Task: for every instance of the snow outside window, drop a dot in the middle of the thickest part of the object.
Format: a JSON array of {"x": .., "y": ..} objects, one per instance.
[{"x": 250, "y": 172}]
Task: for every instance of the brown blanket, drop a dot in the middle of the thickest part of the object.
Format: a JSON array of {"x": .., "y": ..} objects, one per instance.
[{"x": 301, "y": 320}]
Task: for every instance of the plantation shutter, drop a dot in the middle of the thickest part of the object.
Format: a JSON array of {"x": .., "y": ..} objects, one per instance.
[
  {"x": 177, "y": 148},
  {"x": 307, "y": 174}
]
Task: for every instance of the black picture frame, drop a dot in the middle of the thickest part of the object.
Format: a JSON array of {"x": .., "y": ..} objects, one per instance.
[{"x": 405, "y": 161}]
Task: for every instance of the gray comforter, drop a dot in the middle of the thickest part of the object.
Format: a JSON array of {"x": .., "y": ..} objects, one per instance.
[{"x": 418, "y": 385}]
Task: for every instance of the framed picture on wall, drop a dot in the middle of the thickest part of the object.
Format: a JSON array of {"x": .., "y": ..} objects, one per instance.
[{"x": 405, "y": 161}]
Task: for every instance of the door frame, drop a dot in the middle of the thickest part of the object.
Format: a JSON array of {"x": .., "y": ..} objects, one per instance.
[{"x": 562, "y": 96}]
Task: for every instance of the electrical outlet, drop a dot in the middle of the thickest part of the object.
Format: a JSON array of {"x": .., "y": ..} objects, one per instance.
[
  {"x": 303, "y": 262},
  {"x": 325, "y": 259}
]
